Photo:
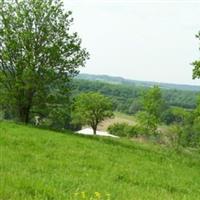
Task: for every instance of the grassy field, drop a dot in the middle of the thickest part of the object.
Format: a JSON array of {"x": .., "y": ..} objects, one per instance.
[
  {"x": 45, "y": 165},
  {"x": 118, "y": 118}
]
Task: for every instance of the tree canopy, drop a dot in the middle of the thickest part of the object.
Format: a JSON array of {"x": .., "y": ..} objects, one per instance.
[
  {"x": 91, "y": 109},
  {"x": 153, "y": 104},
  {"x": 196, "y": 64},
  {"x": 39, "y": 53}
]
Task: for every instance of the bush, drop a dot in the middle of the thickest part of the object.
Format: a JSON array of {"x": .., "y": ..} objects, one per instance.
[{"x": 122, "y": 130}]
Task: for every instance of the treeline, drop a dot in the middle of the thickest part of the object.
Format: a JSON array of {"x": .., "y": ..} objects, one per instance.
[
  {"x": 129, "y": 82},
  {"x": 127, "y": 98}
]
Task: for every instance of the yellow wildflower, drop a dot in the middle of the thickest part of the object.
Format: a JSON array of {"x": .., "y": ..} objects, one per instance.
[
  {"x": 83, "y": 195},
  {"x": 98, "y": 195}
]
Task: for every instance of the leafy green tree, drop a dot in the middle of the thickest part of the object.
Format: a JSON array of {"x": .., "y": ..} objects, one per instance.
[
  {"x": 196, "y": 64},
  {"x": 147, "y": 123},
  {"x": 153, "y": 102},
  {"x": 91, "y": 109},
  {"x": 196, "y": 121},
  {"x": 153, "y": 105},
  {"x": 38, "y": 53}
]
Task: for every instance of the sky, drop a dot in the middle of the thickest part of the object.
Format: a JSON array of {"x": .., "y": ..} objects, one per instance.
[{"x": 141, "y": 40}]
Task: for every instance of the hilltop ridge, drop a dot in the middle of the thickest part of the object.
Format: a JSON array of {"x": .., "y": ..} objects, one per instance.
[{"x": 120, "y": 80}]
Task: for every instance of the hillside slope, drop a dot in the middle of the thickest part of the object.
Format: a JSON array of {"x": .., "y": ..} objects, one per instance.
[{"x": 40, "y": 164}]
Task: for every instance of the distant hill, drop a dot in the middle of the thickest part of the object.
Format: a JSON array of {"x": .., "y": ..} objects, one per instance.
[{"x": 120, "y": 80}]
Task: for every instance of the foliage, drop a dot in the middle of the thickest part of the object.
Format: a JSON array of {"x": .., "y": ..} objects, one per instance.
[
  {"x": 91, "y": 109},
  {"x": 41, "y": 164},
  {"x": 180, "y": 98},
  {"x": 153, "y": 102},
  {"x": 168, "y": 117},
  {"x": 127, "y": 98},
  {"x": 184, "y": 136},
  {"x": 38, "y": 54},
  {"x": 181, "y": 115},
  {"x": 196, "y": 64},
  {"x": 175, "y": 115},
  {"x": 147, "y": 123},
  {"x": 153, "y": 105},
  {"x": 186, "y": 128},
  {"x": 122, "y": 130}
]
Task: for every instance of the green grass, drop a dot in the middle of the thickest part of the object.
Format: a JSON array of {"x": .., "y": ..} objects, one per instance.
[{"x": 45, "y": 165}]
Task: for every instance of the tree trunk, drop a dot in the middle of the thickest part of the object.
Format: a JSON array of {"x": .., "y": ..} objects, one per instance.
[
  {"x": 24, "y": 113},
  {"x": 94, "y": 130},
  {"x": 24, "y": 110},
  {"x": 94, "y": 126}
]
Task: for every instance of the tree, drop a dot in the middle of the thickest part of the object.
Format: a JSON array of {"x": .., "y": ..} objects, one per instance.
[
  {"x": 38, "y": 53},
  {"x": 153, "y": 105},
  {"x": 91, "y": 109},
  {"x": 196, "y": 64}
]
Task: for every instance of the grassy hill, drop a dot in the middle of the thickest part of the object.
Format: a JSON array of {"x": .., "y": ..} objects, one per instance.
[{"x": 45, "y": 165}]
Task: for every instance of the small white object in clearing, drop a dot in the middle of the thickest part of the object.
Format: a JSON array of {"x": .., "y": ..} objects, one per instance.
[{"x": 89, "y": 131}]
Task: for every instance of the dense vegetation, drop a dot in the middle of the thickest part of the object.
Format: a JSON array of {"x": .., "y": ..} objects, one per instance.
[
  {"x": 126, "y": 97},
  {"x": 41, "y": 164},
  {"x": 39, "y": 55}
]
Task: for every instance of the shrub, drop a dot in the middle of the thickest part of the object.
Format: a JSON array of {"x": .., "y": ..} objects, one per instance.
[{"x": 122, "y": 130}]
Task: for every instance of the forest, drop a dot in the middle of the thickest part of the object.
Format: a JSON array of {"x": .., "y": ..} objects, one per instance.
[{"x": 126, "y": 97}]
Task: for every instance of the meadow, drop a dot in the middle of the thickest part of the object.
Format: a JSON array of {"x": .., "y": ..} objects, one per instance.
[
  {"x": 117, "y": 118},
  {"x": 47, "y": 165}
]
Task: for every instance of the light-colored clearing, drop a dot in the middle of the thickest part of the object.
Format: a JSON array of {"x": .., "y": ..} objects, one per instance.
[
  {"x": 118, "y": 118},
  {"x": 89, "y": 131}
]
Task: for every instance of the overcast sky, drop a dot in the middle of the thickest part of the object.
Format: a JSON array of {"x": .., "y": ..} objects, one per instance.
[{"x": 141, "y": 40}]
